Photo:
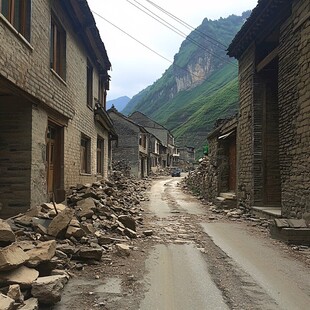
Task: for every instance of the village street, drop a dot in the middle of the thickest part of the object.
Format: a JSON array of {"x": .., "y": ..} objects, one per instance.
[{"x": 195, "y": 259}]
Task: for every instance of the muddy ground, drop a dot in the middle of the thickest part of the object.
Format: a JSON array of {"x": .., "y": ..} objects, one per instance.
[{"x": 118, "y": 282}]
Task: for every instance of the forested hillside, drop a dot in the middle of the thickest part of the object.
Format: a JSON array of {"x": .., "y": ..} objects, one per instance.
[{"x": 199, "y": 87}]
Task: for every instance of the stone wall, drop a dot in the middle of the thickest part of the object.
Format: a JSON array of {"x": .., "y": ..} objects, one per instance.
[
  {"x": 244, "y": 129},
  {"x": 294, "y": 106},
  {"x": 15, "y": 160}
]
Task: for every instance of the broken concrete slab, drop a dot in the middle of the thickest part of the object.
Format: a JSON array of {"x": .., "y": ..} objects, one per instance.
[
  {"x": 6, "y": 303},
  {"x": 44, "y": 251},
  {"x": 59, "y": 224},
  {"x": 7, "y": 235},
  {"x": 23, "y": 276},
  {"x": 48, "y": 289},
  {"x": 11, "y": 257}
]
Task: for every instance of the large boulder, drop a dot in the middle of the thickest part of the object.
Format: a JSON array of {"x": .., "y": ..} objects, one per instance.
[
  {"x": 11, "y": 257},
  {"x": 59, "y": 224},
  {"x": 48, "y": 289},
  {"x": 7, "y": 236},
  {"x": 23, "y": 276}
]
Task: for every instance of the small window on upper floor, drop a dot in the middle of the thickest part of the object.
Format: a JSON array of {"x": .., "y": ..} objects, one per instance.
[
  {"x": 18, "y": 13},
  {"x": 58, "y": 48},
  {"x": 102, "y": 92},
  {"x": 89, "y": 89}
]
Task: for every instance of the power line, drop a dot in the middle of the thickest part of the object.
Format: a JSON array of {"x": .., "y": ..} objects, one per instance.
[
  {"x": 177, "y": 31},
  {"x": 188, "y": 26},
  {"x": 152, "y": 50}
]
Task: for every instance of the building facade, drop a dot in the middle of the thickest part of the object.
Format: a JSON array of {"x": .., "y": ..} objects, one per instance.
[
  {"x": 273, "y": 49},
  {"x": 54, "y": 129},
  {"x": 132, "y": 146}
]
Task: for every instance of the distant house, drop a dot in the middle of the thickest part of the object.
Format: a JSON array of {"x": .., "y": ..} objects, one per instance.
[
  {"x": 273, "y": 139},
  {"x": 54, "y": 129},
  {"x": 154, "y": 153},
  {"x": 132, "y": 146},
  {"x": 161, "y": 133},
  {"x": 186, "y": 157}
]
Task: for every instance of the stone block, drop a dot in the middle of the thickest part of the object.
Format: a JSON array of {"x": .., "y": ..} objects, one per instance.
[
  {"x": 11, "y": 257},
  {"x": 6, "y": 233},
  {"x": 59, "y": 224},
  {"x": 23, "y": 276}
]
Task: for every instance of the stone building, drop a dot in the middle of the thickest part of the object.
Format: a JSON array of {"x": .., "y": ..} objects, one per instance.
[
  {"x": 273, "y": 50},
  {"x": 54, "y": 130},
  {"x": 222, "y": 172},
  {"x": 187, "y": 157},
  {"x": 132, "y": 146},
  {"x": 161, "y": 133}
]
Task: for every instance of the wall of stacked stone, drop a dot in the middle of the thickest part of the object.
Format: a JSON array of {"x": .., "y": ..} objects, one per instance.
[
  {"x": 245, "y": 133},
  {"x": 15, "y": 161},
  {"x": 294, "y": 106}
]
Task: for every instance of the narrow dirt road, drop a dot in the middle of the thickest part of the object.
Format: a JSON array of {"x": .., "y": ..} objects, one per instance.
[{"x": 193, "y": 261}]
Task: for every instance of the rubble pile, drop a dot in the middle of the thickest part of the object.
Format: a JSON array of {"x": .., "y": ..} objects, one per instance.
[
  {"x": 40, "y": 248},
  {"x": 197, "y": 180},
  {"x": 241, "y": 213},
  {"x": 123, "y": 166}
]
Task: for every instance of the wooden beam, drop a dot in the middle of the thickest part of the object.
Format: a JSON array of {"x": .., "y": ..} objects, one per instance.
[{"x": 270, "y": 57}]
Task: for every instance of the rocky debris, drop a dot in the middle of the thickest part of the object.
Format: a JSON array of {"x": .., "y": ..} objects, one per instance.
[
  {"x": 30, "y": 304},
  {"x": 44, "y": 251},
  {"x": 7, "y": 236},
  {"x": 15, "y": 293},
  {"x": 23, "y": 276},
  {"x": 197, "y": 180},
  {"x": 148, "y": 233},
  {"x": 38, "y": 247},
  {"x": 11, "y": 257},
  {"x": 123, "y": 250},
  {"x": 6, "y": 302},
  {"x": 48, "y": 289}
]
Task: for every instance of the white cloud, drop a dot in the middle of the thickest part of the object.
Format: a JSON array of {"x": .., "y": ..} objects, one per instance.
[{"x": 134, "y": 66}]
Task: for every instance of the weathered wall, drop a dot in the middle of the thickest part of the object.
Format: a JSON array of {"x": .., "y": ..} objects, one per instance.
[
  {"x": 15, "y": 159},
  {"x": 127, "y": 147},
  {"x": 26, "y": 64},
  {"x": 294, "y": 107},
  {"x": 244, "y": 129}
]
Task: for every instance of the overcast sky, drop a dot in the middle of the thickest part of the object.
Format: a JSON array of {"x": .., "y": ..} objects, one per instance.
[{"x": 134, "y": 67}]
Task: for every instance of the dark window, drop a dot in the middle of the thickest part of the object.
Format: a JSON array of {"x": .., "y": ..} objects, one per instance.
[
  {"x": 85, "y": 154},
  {"x": 100, "y": 156},
  {"x": 102, "y": 92},
  {"x": 17, "y": 12},
  {"x": 89, "y": 84},
  {"x": 58, "y": 48}
]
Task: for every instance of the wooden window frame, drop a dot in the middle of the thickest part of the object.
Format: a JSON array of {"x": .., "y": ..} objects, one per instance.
[
  {"x": 18, "y": 15},
  {"x": 102, "y": 92},
  {"x": 58, "y": 48},
  {"x": 85, "y": 146},
  {"x": 89, "y": 84},
  {"x": 100, "y": 156}
]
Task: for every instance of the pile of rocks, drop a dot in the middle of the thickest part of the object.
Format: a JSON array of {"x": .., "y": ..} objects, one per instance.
[
  {"x": 40, "y": 247},
  {"x": 122, "y": 166},
  {"x": 197, "y": 180}
]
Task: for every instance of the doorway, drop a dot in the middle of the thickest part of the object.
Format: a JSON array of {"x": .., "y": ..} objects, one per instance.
[{"x": 54, "y": 161}]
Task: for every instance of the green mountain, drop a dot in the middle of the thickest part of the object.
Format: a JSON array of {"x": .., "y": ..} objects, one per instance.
[{"x": 198, "y": 88}]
